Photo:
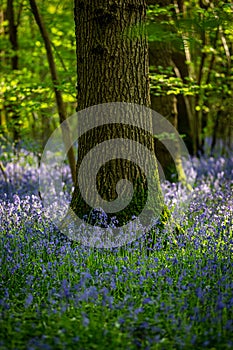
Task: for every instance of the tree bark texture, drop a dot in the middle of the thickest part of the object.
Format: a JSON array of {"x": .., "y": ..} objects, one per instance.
[
  {"x": 112, "y": 53},
  {"x": 112, "y": 66}
]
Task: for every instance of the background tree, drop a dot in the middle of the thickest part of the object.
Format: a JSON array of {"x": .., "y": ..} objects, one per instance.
[
  {"x": 58, "y": 95},
  {"x": 160, "y": 58},
  {"x": 28, "y": 91},
  {"x": 199, "y": 39},
  {"x": 13, "y": 24}
]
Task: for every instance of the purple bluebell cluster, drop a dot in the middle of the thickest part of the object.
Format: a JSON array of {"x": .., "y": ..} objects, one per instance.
[
  {"x": 57, "y": 294},
  {"x": 98, "y": 216}
]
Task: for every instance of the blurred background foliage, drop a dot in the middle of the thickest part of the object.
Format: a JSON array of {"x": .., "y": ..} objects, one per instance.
[
  {"x": 197, "y": 36},
  {"x": 28, "y": 109}
]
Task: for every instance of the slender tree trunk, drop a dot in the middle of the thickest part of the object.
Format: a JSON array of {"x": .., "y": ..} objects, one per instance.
[
  {"x": 2, "y": 62},
  {"x": 183, "y": 69},
  {"x": 112, "y": 66},
  {"x": 13, "y": 33},
  {"x": 59, "y": 100},
  {"x": 166, "y": 105},
  {"x": 184, "y": 103},
  {"x": 13, "y": 36}
]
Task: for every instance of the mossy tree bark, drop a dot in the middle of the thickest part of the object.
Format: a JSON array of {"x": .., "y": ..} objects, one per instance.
[{"x": 112, "y": 66}]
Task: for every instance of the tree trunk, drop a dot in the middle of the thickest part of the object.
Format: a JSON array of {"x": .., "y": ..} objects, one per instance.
[
  {"x": 112, "y": 66},
  {"x": 184, "y": 103},
  {"x": 58, "y": 95},
  {"x": 166, "y": 104},
  {"x": 183, "y": 70},
  {"x": 13, "y": 37}
]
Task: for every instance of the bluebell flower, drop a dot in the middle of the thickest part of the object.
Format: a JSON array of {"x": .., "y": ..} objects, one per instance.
[
  {"x": 28, "y": 300},
  {"x": 85, "y": 319}
]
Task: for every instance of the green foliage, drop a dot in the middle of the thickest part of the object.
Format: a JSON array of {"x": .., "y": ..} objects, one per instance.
[
  {"x": 203, "y": 38},
  {"x": 28, "y": 91},
  {"x": 27, "y": 101}
]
